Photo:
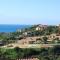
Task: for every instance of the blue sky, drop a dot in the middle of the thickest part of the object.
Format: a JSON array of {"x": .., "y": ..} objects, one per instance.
[{"x": 30, "y": 12}]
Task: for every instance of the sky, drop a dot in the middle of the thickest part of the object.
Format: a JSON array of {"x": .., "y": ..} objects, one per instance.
[{"x": 30, "y": 12}]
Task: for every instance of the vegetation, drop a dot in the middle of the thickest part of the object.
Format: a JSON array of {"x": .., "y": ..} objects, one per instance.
[
  {"x": 40, "y": 53},
  {"x": 12, "y": 37},
  {"x": 45, "y": 40}
]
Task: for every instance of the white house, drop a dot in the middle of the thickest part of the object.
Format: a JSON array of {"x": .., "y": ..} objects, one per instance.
[
  {"x": 41, "y": 27},
  {"x": 19, "y": 30},
  {"x": 38, "y": 28},
  {"x": 25, "y": 33}
]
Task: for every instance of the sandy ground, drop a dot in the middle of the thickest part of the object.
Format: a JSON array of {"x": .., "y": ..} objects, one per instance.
[
  {"x": 28, "y": 45},
  {"x": 24, "y": 43}
]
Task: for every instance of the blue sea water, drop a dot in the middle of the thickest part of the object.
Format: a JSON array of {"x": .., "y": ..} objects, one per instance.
[{"x": 11, "y": 28}]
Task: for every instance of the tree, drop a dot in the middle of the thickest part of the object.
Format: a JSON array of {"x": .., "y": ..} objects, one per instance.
[
  {"x": 58, "y": 58},
  {"x": 19, "y": 52},
  {"x": 10, "y": 54},
  {"x": 45, "y": 40},
  {"x": 56, "y": 40}
]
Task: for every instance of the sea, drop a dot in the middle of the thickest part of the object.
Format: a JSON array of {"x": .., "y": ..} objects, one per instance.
[{"x": 11, "y": 28}]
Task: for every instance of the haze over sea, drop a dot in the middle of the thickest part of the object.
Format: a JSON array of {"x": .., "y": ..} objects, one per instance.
[{"x": 11, "y": 28}]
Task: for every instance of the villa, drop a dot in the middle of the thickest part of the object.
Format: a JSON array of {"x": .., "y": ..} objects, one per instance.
[{"x": 40, "y": 27}]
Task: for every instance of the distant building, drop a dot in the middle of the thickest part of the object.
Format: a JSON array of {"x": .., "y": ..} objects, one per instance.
[
  {"x": 25, "y": 33},
  {"x": 41, "y": 27},
  {"x": 38, "y": 28},
  {"x": 19, "y": 30}
]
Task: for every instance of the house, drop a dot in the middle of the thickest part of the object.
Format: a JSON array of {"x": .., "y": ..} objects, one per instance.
[
  {"x": 38, "y": 28},
  {"x": 41, "y": 27},
  {"x": 59, "y": 25},
  {"x": 25, "y": 33},
  {"x": 19, "y": 30},
  {"x": 52, "y": 36}
]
